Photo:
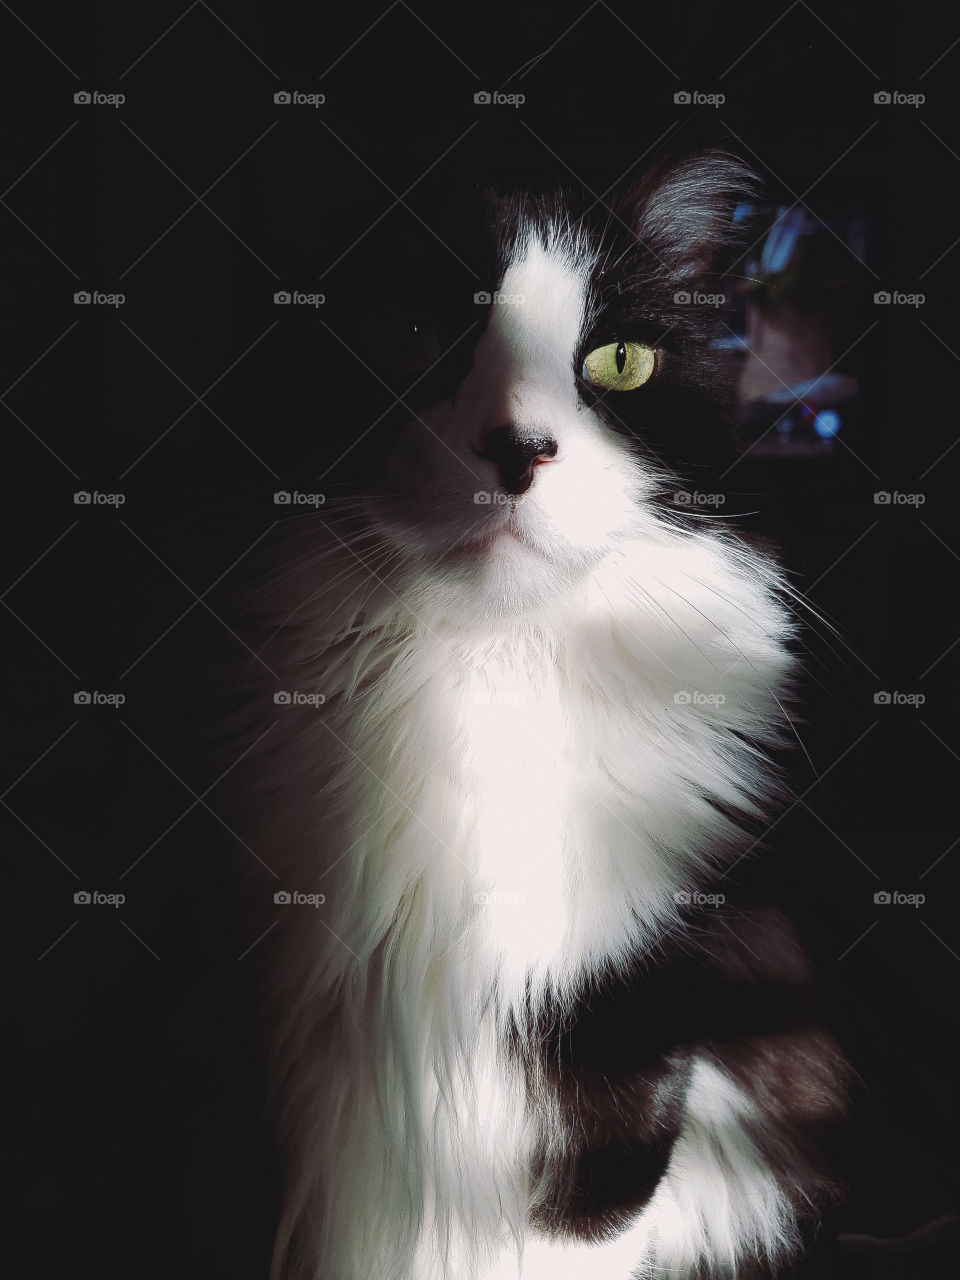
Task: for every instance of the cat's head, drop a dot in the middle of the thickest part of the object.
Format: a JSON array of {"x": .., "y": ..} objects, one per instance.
[{"x": 546, "y": 413}]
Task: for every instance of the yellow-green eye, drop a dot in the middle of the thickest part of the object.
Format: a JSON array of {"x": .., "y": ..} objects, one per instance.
[
  {"x": 620, "y": 366},
  {"x": 405, "y": 341}
]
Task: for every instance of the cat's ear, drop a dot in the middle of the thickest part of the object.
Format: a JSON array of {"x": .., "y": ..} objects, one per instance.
[{"x": 683, "y": 210}]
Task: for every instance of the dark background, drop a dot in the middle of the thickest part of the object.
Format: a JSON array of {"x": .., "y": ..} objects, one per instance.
[{"x": 138, "y": 1144}]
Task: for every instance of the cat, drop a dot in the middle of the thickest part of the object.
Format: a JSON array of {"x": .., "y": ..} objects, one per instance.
[{"x": 528, "y": 690}]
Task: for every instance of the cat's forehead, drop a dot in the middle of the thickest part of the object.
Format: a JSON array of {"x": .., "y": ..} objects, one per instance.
[{"x": 543, "y": 294}]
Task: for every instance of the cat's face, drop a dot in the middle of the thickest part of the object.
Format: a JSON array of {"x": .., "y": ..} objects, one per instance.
[
  {"x": 546, "y": 417},
  {"x": 514, "y": 465}
]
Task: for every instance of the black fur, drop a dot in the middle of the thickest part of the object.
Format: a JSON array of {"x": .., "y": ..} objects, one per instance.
[{"x": 735, "y": 991}]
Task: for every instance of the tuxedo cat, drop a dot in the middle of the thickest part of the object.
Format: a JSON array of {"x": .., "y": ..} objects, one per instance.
[{"x": 529, "y": 690}]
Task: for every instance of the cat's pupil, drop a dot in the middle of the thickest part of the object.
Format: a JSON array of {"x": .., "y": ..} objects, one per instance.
[{"x": 621, "y": 356}]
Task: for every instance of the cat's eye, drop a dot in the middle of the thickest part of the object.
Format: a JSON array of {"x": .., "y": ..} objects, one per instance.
[
  {"x": 620, "y": 366},
  {"x": 406, "y": 341}
]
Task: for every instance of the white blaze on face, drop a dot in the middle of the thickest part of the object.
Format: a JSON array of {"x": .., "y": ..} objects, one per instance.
[
  {"x": 527, "y": 359},
  {"x": 540, "y": 322}
]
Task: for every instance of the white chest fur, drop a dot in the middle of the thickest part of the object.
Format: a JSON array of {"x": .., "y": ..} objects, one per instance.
[
  {"x": 559, "y": 778},
  {"x": 512, "y": 806},
  {"x": 519, "y": 786}
]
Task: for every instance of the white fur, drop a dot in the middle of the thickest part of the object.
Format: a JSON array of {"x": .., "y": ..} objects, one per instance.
[
  {"x": 503, "y": 791},
  {"x": 718, "y": 1202}
]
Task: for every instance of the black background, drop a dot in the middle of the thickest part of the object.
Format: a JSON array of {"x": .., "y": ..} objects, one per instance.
[{"x": 139, "y": 1147}]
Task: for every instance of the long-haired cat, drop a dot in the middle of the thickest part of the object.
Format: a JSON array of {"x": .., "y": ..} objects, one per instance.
[{"x": 527, "y": 691}]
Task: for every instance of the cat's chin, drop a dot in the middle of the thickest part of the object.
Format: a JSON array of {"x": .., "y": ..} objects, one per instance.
[
  {"x": 514, "y": 548},
  {"x": 513, "y": 577},
  {"x": 507, "y": 540},
  {"x": 511, "y": 563}
]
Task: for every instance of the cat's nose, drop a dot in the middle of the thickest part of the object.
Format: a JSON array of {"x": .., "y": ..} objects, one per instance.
[{"x": 515, "y": 454}]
